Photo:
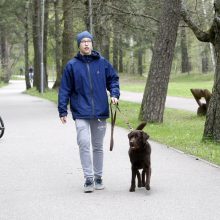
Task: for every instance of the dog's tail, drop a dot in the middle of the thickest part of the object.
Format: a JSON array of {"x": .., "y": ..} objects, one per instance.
[{"x": 141, "y": 126}]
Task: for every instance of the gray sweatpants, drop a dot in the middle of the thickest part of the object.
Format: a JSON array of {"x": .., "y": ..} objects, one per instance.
[{"x": 94, "y": 130}]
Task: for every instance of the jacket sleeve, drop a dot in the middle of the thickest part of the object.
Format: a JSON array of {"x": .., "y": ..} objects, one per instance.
[
  {"x": 65, "y": 90},
  {"x": 112, "y": 82}
]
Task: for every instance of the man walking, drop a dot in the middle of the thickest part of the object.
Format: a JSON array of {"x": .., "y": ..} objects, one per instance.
[{"x": 85, "y": 81}]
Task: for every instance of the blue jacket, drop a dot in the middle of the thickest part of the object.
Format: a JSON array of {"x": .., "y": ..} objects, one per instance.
[{"x": 84, "y": 85}]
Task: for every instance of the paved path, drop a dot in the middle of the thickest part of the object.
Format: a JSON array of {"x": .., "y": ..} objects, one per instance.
[
  {"x": 188, "y": 104},
  {"x": 41, "y": 176}
]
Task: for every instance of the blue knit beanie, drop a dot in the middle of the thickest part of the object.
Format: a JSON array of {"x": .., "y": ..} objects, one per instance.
[{"x": 84, "y": 34}]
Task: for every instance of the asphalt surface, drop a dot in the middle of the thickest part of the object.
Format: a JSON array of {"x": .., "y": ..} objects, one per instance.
[
  {"x": 41, "y": 176},
  {"x": 188, "y": 104}
]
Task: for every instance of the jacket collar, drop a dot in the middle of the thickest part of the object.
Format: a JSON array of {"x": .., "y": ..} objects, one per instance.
[{"x": 88, "y": 58}]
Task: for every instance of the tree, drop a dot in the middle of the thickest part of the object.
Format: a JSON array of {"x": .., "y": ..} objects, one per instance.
[
  {"x": 153, "y": 102},
  {"x": 58, "y": 45},
  {"x": 67, "y": 31},
  {"x": 102, "y": 26},
  {"x": 115, "y": 51},
  {"x": 11, "y": 31},
  {"x": 36, "y": 43},
  {"x": 26, "y": 45},
  {"x": 185, "y": 65},
  {"x": 45, "y": 40},
  {"x": 121, "y": 68},
  {"x": 5, "y": 54},
  {"x": 212, "y": 124},
  {"x": 205, "y": 59}
]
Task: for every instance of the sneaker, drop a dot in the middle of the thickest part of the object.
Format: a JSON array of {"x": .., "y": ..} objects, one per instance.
[
  {"x": 89, "y": 185},
  {"x": 99, "y": 184}
]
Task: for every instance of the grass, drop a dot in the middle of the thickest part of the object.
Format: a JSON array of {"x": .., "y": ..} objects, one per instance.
[
  {"x": 2, "y": 84},
  {"x": 181, "y": 129},
  {"x": 49, "y": 94},
  {"x": 179, "y": 85}
]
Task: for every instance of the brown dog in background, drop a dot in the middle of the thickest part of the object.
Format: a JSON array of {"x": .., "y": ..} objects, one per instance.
[{"x": 140, "y": 157}]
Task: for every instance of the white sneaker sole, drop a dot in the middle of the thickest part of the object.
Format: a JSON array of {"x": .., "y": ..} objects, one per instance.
[
  {"x": 99, "y": 187},
  {"x": 88, "y": 189}
]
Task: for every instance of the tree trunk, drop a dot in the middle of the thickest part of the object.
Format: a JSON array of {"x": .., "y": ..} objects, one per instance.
[
  {"x": 140, "y": 61},
  {"x": 37, "y": 44},
  {"x": 153, "y": 103},
  {"x": 102, "y": 40},
  {"x": 115, "y": 52},
  {"x": 205, "y": 60},
  {"x": 89, "y": 18},
  {"x": 212, "y": 124},
  {"x": 105, "y": 46},
  {"x": 45, "y": 43},
  {"x": 121, "y": 69},
  {"x": 101, "y": 27},
  {"x": 26, "y": 46},
  {"x": 67, "y": 32},
  {"x": 131, "y": 65},
  {"x": 5, "y": 56},
  {"x": 58, "y": 45},
  {"x": 205, "y": 63},
  {"x": 210, "y": 45},
  {"x": 186, "y": 67}
]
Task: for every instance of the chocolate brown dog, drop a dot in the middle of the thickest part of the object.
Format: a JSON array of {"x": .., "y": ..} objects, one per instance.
[{"x": 139, "y": 153}]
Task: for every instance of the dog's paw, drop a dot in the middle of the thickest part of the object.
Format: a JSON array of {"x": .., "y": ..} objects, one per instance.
[
  {"x": 132, "y": 189},
  {"x": 147, "y": 187},
  {"x": 139, "y": 185}
]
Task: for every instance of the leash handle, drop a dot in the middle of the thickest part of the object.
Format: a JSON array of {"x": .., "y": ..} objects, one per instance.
[{"x": 113, "y": 119}]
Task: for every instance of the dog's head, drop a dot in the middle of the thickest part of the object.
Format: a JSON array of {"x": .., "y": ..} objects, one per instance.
[{"x": 137, "y": 139}]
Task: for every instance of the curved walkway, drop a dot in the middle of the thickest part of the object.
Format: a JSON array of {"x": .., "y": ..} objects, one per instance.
[
  {"x": 41, "y": 176},
  {"x": 171, "y": 102}
]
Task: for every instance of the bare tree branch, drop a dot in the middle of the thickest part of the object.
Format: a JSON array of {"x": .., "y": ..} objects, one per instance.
[
  {"x": 200, "y": 34},
  {"x": 132, "y": 13}
]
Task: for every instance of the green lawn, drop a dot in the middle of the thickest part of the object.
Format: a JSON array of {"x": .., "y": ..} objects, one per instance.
[
  {"x": 1, "y": 84},
  {"x": 179, "y": 85},
  {"x": 50, "y": 94}
]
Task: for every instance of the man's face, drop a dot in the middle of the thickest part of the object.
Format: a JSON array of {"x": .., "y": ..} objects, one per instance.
[{"x": 85, "y": 46}]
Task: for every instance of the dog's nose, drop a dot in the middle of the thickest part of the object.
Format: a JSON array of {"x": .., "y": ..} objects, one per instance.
[{"x": 131, "y": 143}]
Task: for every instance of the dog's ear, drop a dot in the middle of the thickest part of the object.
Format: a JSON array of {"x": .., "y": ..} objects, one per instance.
[
  {"x": 145, "y": 137},
  {"x": 141, "y": 126},
  {"x": 129, "y": 135}
]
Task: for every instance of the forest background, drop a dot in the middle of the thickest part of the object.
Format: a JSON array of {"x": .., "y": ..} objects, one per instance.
[{"x": 124, "y": 33}]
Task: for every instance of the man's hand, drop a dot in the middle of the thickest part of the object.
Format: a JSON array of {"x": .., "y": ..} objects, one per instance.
[
  {"x": 114, "y": 100},
  {"x": 63, "y": 119}
]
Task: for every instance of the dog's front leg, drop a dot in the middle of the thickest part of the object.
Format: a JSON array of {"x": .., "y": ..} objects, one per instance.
[
  {"x": 148, "y": 176},
  {"x": 143, "y": 177},
  {"x": 139, "y": 179},
  {"x": 133, "y": 175}
]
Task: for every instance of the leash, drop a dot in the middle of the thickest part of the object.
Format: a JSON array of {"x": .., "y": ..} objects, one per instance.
[
  {"x": 125, "y": 119},
  {"x": 113, "y": 119}
]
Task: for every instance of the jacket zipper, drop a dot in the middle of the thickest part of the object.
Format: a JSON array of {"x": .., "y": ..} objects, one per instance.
[{"x": 91, "y": 88}]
